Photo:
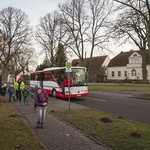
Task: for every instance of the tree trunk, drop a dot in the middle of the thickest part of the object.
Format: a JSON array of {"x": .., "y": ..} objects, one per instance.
[
  {"x": 144, "y": 70},
  {"x": 149, "y": 42},
  {"x": 5, "y": 73}
]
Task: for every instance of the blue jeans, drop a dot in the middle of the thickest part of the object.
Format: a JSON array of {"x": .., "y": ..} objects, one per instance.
[{"x": 41, "y": 114}]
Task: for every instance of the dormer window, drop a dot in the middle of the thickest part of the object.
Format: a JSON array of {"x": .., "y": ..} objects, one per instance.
[
  {"x": 135, "y": 61},
  {"x": 135, "y": 55}
]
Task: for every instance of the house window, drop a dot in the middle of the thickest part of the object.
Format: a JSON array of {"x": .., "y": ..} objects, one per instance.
[
  {"x": 125, "y": 73},
  {"x": 133, "y": 72},
  {"x": 135, "y": 61},
  {"x": 112, "y": 73},
  {"x": 119, "y": 73},
  {"x": 135, "y": 55}
]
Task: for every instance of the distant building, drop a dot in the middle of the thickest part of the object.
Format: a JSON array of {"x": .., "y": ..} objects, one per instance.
[
  {"x": 97, "y": 70},
  {"x": 19, "y": 74},
  {"x": 127, "y": 66}
]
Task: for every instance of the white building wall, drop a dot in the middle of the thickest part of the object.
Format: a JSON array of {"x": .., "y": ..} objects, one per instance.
[
  {"x": 135, "y": 66},
  {"x": 116, "y": 70},
  {"x": 106, "y": 61},
  {"x": 148, "y": 72},
  {"x": 128, "y": 73},
  {"x": 135, "y": 55},
  {"x": 138, "y": 76},
  {"x": 129, "y": 68}
]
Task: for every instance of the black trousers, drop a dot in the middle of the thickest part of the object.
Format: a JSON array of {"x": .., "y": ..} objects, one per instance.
[{"x": 18, "y": 95}]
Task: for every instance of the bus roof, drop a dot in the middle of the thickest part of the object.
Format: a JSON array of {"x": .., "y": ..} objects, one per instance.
[
  {"x": 56, "y": 68},
  {"x": 59, "y": 68}
]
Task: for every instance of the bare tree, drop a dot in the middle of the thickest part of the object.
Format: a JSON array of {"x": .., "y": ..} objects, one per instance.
[
  {"x": 22, "y": 61},
  {"x": 86, "y": 23},
  {"x": 142, "y": 8},
  {"x": 132, "y": 25},
  {"x": 15, "y": 33},
  {"x": 49, "y": 34},
  {"x": 98, "y": 20},
  {"x": 25, "y": 58},
  {"x": 75, "y": 17}
]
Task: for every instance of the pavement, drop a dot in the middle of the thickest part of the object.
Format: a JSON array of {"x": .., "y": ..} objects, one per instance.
[{"x": 57, "y": 134}]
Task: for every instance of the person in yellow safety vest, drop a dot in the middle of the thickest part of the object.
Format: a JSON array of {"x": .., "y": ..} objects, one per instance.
[{"x": 19, "y": 86}]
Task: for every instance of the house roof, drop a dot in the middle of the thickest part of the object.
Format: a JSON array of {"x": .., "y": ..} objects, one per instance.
[
  {"x": 122, "y": 58},
  {"x": 96, "y": 61}
]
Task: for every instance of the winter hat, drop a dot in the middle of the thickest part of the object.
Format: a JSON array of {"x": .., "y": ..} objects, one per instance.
[
  {"x": 19, "y": 79},
  {"x": 4, "y": 85},
  {"x": 38, "y": 88}
]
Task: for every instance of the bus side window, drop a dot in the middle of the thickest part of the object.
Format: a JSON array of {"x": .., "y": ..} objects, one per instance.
[{"x": 47, "y": 77}]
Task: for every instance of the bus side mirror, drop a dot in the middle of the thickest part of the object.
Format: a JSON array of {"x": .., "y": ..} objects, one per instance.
[{"x": 66, "y": 83}]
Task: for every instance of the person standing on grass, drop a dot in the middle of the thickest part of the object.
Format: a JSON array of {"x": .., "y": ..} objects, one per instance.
[
  {"x": 3, "y": 91},
  {"x": 26, "y": 93},
  {"x": 41, "y": 101},
  {"x": 19, "y": 86},
  {"x": 11, "y": 91}
]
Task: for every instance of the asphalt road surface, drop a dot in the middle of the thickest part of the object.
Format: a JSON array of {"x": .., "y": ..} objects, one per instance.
[{"x": 119, "y": 105}]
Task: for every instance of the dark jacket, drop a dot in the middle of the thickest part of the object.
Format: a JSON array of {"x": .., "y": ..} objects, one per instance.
[
  {"x": 25, "y": 92},
  {"x": 33, "y": 92},
  {"x": 11, "y": 90},
  {"x": 3, "y": 91},
  {"x": 41, "y": 98}
]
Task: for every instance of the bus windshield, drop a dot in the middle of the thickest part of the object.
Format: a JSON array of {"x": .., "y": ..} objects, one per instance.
[{"x": 79, "y": 76}]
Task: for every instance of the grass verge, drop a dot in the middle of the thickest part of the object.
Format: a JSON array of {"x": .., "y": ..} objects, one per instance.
[
  {"x": 119, "y": 87},
  {"x": 15, "y": 132},
  {"x": 115, "y": 132},
  {"x": 135, "y": 89}
]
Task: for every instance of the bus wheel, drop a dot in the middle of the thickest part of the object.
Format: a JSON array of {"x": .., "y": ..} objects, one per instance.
[{"x": 54, "y": 93}]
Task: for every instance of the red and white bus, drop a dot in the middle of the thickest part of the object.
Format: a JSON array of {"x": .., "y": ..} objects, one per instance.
[{"x": 55, "y": 81}]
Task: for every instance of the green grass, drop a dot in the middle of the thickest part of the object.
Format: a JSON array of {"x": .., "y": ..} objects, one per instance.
[
  {"x": 115, "y": 134},
  {"x": 145, "y": 88},
  {"x": 15, "y": 132},
  {"x": 119, "y": 87}
]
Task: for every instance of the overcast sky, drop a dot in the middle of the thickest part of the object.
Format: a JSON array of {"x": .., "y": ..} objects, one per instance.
[
  {"x": 39, "y": 8},
  {"x": 33, "y": 8}
]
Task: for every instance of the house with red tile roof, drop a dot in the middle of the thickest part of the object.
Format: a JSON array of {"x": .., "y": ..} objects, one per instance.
[
  {"x": 96, "y": 68},
  {"x": 127, "y": 66}
]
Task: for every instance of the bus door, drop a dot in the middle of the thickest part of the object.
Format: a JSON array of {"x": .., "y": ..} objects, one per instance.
[{"x": 41, "y": 80}]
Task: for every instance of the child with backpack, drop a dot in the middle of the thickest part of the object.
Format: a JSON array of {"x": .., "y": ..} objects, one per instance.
[
  {"x": 26, "y": 93},
  {"x": 33, "y": 93}
]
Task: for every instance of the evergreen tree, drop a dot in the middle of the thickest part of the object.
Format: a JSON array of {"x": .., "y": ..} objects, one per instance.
[
  {"x": 44, "y": 65},
  {"x": 60, "y": 56}
]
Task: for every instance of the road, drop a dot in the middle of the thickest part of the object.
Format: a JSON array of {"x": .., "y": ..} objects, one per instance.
[{"x": 119, "y": 105}]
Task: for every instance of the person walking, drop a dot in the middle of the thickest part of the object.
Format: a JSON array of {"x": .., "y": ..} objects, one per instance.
[
  {"x": 19, "y": 86},
  {"x": 26, "y": 93},
  {"x": 33, "y": 94},
  {"x": 11, "y": 92},
  {"x": 41, "y": 101},
  {"x": 3, "y": 91}
]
